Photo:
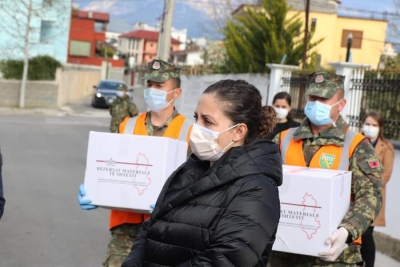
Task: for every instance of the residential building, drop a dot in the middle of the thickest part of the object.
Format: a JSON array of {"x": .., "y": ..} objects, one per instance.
[
  {"x": 114, "y": 29},
  {"x": 324, "y": 21},
  {"x": 87, "y": 36},
  {"x": 48, "y": 28},
  {"x": 141, "y": 46},
  {"x": 189, "y": 57},
  {"x": 180, "y": 35},
  {"x": 389, "y": 50}
]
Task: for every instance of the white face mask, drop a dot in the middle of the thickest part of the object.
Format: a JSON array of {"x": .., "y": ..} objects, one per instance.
[
  {"x": 204, "y": 143},
  {"x": 370, "y": 131},
  {"x": 281, "y": 112}
]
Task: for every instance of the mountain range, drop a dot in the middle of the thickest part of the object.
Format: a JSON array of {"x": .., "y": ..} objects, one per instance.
[
  {"x": 202, "y": 17},
  {"x": 199, "y": 17}
]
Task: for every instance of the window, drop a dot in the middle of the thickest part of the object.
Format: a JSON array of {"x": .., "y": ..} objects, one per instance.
[
  {"x": 110, "y": 85},
  {"x": 357, "y": 38},
  {"x": 79, "y": 48},
  {"x": 313, "y": 24},
  {"x": 45, "y": 31},
  {"x": 99, "y": 26}
]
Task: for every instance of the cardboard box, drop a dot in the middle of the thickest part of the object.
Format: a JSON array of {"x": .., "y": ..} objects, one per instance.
[
  {"x": 313, "y": 204},
  {"x": 127, "y": 172}
]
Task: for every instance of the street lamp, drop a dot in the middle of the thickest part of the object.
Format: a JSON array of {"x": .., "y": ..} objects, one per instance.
[{"x": 349, "y": 41}]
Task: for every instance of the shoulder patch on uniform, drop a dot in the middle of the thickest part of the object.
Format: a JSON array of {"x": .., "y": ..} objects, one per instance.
[{"x": 374, "y": 163}]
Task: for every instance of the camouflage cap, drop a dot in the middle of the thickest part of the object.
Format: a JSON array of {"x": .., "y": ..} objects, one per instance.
[
  {"x": 324, "y": 84},
  {"x": 160, "y": 71}
]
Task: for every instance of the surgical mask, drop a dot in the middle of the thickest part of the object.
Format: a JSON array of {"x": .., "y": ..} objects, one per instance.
[
  {"x": 156, "y": 100},
  {"x": 204, "y": 143},
  {"x": 120, "y": 93},
  {"x": 319, "y": 113},
  {"x": 281, "y": 112},
  {"x": 370, "y": 131}
]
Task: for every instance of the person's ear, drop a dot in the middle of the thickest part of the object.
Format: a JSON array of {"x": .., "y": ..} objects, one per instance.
[
  {"x": 342, "y": 104},
  {"x": 240, "y": 132},
  {"x": 177, "y": 93}
]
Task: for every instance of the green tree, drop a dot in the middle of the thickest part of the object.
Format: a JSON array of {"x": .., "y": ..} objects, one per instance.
[{"x": 264, "y": 35}]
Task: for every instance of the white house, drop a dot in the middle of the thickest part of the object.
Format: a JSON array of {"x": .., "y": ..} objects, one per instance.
[{"x": 188, "y": 57}]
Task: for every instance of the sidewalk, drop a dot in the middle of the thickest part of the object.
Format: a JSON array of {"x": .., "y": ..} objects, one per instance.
[{"x": 385, "y": 261}]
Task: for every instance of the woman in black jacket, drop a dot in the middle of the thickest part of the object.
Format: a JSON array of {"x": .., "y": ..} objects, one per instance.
[{"x": 220, "y": 208}]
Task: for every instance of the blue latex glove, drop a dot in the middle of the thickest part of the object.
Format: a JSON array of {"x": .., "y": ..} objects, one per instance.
[
  {"x": 152, "y": 206},
  {"x": 84, "y": 203}
]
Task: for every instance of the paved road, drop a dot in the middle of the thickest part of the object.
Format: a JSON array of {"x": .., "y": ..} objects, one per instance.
[{"x": 44, "y": 163}]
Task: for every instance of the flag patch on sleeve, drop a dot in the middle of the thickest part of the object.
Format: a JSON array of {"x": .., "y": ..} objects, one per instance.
[{"x": 374, "y": 163}]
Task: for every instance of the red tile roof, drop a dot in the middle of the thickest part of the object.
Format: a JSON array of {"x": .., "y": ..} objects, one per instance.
[
  {"x": 147, "y": 35},
  {"x": 97, "y": 16}
]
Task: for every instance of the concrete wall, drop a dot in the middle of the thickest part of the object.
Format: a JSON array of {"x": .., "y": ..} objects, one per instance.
[
  {"x": 76, "y": 84},
  {"x": 70, "y": 85},
  {"x": 388, "y": 238},
  {"x": 116, "y": 74},
  {"x": 38, "y": 94},
  {"x": 193, "y": 87}
]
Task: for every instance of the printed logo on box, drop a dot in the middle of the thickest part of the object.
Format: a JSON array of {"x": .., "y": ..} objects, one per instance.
[
  {"x": 304, "y": 216},
  {"x": 141, "y": 174}
]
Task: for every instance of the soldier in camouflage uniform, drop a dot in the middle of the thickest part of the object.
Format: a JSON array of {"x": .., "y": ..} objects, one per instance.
[
  {"x": 162, "y": 76},
  {"x": 121, "y": 108},
  {"x": 315, "y": 132}
]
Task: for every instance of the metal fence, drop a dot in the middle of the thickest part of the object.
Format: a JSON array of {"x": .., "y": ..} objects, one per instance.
[
  {"x": 378, "y": 92},
  {"x": 296, "y": 84}
]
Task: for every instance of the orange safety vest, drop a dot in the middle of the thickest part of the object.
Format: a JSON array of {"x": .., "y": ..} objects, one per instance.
[
  {"x": 179, "y": 128},
  {"x": 327, "y": 157}
]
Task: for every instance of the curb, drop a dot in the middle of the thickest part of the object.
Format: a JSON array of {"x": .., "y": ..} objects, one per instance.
[
  {"x": 62, "y": 111},
  {"x": 387, "y": 245}
]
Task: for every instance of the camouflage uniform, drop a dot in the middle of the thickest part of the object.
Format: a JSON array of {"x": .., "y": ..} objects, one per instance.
[
  {"x": 366, "y": 184},
  {"x": 120, "y": 244},
  {"x": 121, "y": 108},
  {"x": 123, "y": 236}
]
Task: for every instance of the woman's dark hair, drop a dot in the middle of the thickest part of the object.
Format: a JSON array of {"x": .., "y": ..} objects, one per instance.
[
  {"x": 244, "y": 106},
  {"x": 283, "y": 95},
  {"x": 286, "y": 96},
  {"x": 376, "y": 116}
]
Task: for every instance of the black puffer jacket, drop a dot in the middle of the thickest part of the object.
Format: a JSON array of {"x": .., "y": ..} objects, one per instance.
[{"x": 226, "y": 215}]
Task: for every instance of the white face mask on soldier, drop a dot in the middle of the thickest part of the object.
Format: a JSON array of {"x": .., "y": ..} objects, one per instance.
[{"x": 204, "y": 143}]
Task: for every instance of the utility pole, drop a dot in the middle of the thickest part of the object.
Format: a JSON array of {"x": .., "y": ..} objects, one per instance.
[
  {"x": 305, "y": 45},
  {"x": 164, "y": 37}
]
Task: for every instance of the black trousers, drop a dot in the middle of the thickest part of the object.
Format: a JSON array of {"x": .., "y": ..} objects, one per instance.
[{"x": 368, "y": 248}]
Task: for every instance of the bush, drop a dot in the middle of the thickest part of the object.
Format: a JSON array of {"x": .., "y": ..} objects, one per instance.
[{"x": 40, "y": 68}]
